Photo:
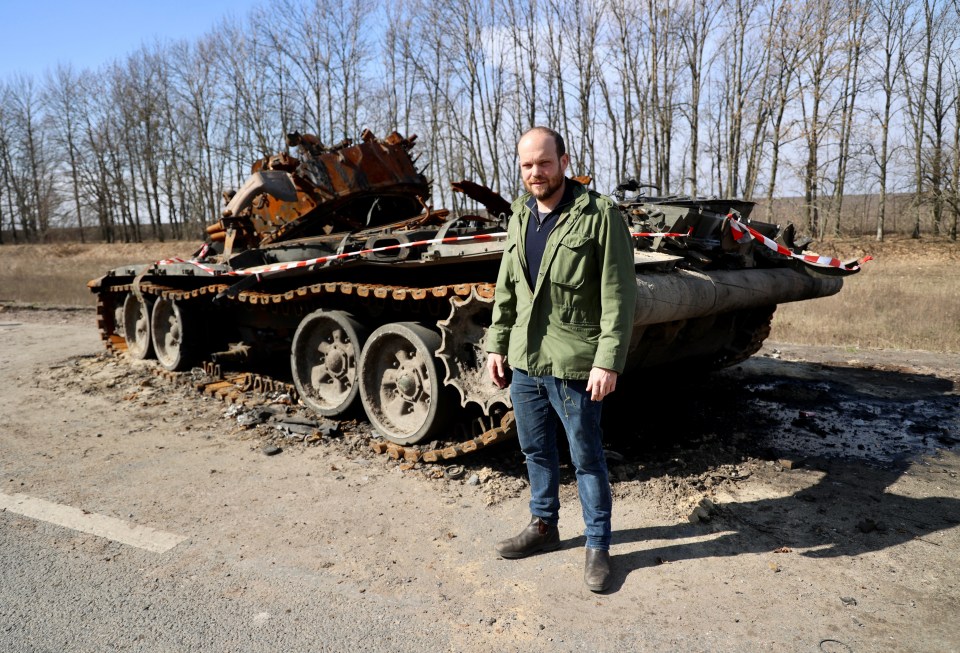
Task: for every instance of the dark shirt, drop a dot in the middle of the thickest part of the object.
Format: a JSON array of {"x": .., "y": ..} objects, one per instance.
[{"x": 538, "y": 230}]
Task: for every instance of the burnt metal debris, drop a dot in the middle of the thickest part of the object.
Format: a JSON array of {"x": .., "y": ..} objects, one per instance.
[{"x": 330, "y": 277}]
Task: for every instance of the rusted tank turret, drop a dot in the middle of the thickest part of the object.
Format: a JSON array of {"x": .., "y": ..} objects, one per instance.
[{"x": 334, "y": 263}]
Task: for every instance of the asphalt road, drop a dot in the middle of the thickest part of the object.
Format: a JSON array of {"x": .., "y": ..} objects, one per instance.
[{"x": 66, "y": 590}]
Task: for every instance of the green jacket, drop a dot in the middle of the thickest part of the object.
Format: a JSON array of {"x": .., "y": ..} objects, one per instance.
[{"x": 580, "y": 315}]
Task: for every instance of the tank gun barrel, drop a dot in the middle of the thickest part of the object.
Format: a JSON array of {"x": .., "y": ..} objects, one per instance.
[{"x": 685, "y": 294}]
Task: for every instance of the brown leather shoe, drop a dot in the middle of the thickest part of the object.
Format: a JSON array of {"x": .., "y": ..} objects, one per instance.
[
  {"x": 596, "y": 571},
  {"x": 536, "y": 537}
]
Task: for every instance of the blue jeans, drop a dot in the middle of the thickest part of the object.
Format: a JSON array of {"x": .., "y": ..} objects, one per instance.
[{"x": 540, "y": 405}]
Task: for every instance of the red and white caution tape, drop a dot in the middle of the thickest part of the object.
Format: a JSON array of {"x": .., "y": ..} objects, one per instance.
[
  {"x": 660, "y": 234},
  {"x": 742, "y": 233},
  {"x": 292, "y": 265}
]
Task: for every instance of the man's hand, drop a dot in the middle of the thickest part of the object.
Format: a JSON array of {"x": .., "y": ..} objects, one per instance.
[
  {"x": 496, "y": 368},
  {"x": 601, "y": 383}
]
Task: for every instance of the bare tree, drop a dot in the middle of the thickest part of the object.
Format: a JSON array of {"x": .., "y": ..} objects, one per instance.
[
  {"x": 350, "y": 55},
  {"x": 425, "y": 48},
  {"x": 400, "y": 79},
  {"x": 6, "y": 171},
  {"x": 915, "y": 73},
  {"x": 785, "y": 45},
  {"x": 193, "y": 88},
  {"x": 556, "y": 14},
  {"x": 760, "y": 105},
  {"x": 940, "y": 109},
  {"x": 738, "y": 72},
  {"x": 252, "y": 88},
  {"x": 29, "y": 168},
  {"x": 519, "y": 21},
  {"x": 818, "y": 72},
  {"x": 663, "y": 63},
  {"x": 695, "y": 25},
  {"x": 479, "y": 66},
  {"x": 300, "y": 33},
  {"x": 887, "y": 25},
  {"x": 627, "y": 110},
  {"x": 583, "y": 31},
  {"x": 954, "y": 195},
  {"x": 144, "y": 86},
  {"x": 857, "y": 16},
  {"x": 63, "y": 101}
]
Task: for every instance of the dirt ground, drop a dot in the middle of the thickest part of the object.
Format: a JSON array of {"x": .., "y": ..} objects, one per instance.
[{"x": 805, "y": 500}]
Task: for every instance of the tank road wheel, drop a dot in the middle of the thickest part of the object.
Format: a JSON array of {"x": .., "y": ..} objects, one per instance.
[
  {"x": 324, "y": 360},
  {"x": 136, "y": 326},
  {"x": 175, "y": 337},
  {"x": 400, "y": 385}
]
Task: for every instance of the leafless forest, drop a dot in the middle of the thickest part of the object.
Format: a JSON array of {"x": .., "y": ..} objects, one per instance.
[{"x": 761, "y": 99}]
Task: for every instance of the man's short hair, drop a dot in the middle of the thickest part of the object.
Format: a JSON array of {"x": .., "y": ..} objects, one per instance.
[{"x": 557, "y": 138}]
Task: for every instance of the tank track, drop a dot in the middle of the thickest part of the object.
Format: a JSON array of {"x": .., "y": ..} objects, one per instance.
[
  {"x": 243, "y": 387},
  {"x": 751, "y": 331}
]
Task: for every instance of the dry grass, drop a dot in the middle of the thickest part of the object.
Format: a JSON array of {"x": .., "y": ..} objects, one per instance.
[
  {"x": 908, "y": 298},
  {"x": 58, "y": 274}
]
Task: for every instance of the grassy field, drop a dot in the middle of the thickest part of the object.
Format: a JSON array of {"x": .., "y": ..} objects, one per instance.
[
  {"x": 58, "y": 274},
  {"x": 907, "y": 298}
]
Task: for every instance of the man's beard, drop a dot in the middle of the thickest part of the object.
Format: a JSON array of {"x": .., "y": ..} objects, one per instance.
[{"x": 552, "y": 185}]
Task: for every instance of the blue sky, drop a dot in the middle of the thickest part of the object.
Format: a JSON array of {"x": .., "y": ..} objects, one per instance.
[{"x": 37, "y": 34}]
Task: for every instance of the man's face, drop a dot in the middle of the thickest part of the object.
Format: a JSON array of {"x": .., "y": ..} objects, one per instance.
[{"x": 541, "y": 169}]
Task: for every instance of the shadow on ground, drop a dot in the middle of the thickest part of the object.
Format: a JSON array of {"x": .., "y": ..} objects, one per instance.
[
  {"x": 848, "y": 512},
  {"x": 858, "y": 428}
]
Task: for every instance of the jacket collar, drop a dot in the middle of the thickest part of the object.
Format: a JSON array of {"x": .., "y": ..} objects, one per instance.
[{"x": 522, "y": 210}]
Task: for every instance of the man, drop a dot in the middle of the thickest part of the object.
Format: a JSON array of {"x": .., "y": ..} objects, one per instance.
[{"x": 562, "y": 319}]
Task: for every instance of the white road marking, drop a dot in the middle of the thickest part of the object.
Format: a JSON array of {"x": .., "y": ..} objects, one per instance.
[{"x": 142, "y": 537}]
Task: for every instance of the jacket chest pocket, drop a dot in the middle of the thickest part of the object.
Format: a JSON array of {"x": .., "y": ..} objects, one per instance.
[
  {"x": 574, "y": 284},
  {"x": 573, "y": 264}
]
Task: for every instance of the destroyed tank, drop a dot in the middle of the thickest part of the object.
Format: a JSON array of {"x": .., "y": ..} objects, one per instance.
[{"x": 331, "y": 271}]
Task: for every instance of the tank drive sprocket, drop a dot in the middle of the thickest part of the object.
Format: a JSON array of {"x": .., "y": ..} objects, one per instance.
[{"x": 462, "y": 354}]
